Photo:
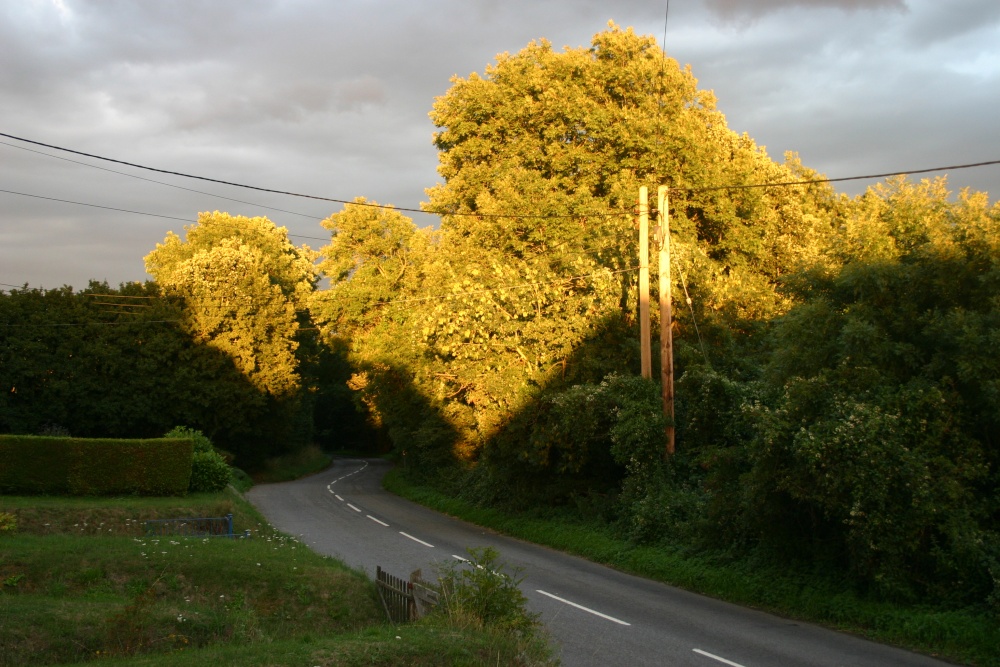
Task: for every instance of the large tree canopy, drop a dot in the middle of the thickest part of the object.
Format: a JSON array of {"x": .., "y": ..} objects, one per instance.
[
  {"x": 543, "y": 155},
  {"x": 531, "y": 282},
  {"x": 244, "y": 284}
]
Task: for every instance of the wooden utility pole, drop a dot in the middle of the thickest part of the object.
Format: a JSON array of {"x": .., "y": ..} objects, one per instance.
[
  {"x": 645, "y": 352},
  {"x": 666, "y": 316}
]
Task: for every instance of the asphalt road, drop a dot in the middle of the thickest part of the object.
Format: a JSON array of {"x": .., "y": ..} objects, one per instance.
[{"x": 597, "y": 616}]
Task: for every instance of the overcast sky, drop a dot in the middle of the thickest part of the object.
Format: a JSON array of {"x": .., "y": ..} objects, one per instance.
[{"x": 331, "y": 98}]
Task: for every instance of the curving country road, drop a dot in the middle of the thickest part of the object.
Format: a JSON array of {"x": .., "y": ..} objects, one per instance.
[{"x": 597, "y": 616}]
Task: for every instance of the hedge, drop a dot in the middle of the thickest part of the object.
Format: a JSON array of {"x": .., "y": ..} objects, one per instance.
[{"x": 36, "y": 465}]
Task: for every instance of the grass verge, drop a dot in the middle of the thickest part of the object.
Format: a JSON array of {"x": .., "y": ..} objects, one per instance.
[
  {"x": 79, "y": 582},
  {"x": 962, "y": 636}
]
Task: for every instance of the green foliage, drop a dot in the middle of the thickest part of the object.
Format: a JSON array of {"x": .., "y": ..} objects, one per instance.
[
  {"x": 306, "y": 461},
  {"x": 887, "y": 479},
  {"x": 8, "y": 523},
  {"x": 664, "y": 507},
  {"x": 372, "y": 255},
  {"x": 201, "y": 442},
  {"x": 78, "y": 466},
  {"x": 245, "y": 290},
  {"x": 121, "y": 371},
  {"x": 570, "y": 136},
  {"x": 209, "y": 472},
  {"x": 529, "y": 287},
  {"x": 34, "y": 464},
  {"x": 240, "y": 480},
  {"x": 869, "y": 441},
  {"x": 480, "y": 589}
]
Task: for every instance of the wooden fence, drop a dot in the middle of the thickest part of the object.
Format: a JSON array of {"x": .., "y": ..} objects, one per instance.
[{"x": 404, "y": 600}]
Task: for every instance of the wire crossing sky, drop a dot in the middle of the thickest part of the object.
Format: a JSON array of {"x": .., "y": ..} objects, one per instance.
[{"x": 332, "y": 99}]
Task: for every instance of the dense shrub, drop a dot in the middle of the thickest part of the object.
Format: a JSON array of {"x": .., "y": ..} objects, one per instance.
[
  {"x": 868, "y": 442},
  {"x": 201, "y": 442},
  {"x": 209, "y": 470}
]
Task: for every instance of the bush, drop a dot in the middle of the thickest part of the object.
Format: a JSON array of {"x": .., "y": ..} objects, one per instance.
[
  {"x": 209, "y": 472},
  {"x": 200, "y": 440},
  {"x": 8, "y": 523},
  {"x": 480, "y": 590}
]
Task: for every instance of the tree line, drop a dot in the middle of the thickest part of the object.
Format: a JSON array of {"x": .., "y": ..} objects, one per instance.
[{"x": 837, "y": 394}]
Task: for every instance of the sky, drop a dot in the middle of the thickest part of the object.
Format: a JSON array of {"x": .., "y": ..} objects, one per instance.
[{"x": 332, "y": 99}]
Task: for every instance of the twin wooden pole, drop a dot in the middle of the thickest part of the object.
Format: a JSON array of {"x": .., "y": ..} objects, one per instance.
[{"x": 666, "y": 316}]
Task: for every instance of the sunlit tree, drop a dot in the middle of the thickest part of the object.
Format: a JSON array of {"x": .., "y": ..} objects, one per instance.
[{"x": 244, "y": 285}]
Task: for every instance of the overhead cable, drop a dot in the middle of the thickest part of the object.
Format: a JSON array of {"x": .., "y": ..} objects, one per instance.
[
  {"x": 296, "y": 194},
  {"x": 205, "y": 178},
  {"x": 109, "y": 208},
  {"x": 125, "y": 210},
  {"x": 503, "y": 215},
  {"x": 836, "y": 180},
  {"x": 150, "y": 180}
]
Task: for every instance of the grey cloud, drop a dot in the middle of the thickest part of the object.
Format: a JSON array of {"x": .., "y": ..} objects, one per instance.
[
  {"x": 745, "y": 11},
  {"x": 945, "y": 21},
  {"x": 331, "y": 98},
  {"x": 363, "y": 91}
]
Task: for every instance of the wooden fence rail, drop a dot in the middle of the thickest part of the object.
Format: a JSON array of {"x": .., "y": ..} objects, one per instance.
[{"x": 404, "y": 600}]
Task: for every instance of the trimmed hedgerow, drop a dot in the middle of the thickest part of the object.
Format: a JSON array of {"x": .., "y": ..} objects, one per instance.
[{"x": 82, "y": 466}]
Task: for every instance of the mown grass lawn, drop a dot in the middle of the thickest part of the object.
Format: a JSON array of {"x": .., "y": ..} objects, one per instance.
[{"x": 80, "y": 582}]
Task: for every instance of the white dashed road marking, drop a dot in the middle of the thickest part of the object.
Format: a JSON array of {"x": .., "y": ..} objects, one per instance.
[
  {"x": 715, "y": 657},
  {"x": 416, "y": 540},
  {"x": 581, "y": 607}
]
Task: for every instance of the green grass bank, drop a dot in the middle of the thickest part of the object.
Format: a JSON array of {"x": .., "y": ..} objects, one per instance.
[{"x": 80, "y": 583}]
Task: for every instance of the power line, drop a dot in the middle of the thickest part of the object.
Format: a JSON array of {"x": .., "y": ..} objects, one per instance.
[
  {"x": 211, "y": 180},
  {"x": 666, "y": 16},
  {"x": 837, "y": 180},
  {"x": 119, "y": 296},
  {"x": 125, "y": 210},
  {"x": 150, "y": 180},
  {"x": 502, "y": 215},
  {"x": 108, "y": 208},
  {"x": 296, "y": 194}
]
